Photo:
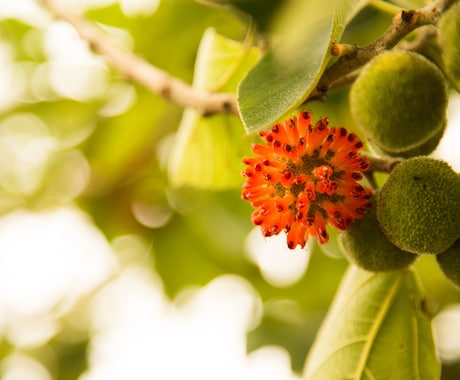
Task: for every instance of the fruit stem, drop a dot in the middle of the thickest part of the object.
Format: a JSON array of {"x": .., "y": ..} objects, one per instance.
[
  {"x": 382, "y": 164},
  {"x": 352, "y": 59}
]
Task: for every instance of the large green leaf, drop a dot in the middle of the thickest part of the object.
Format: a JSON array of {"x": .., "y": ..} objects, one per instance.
[
  {"x": 207, "y": 151},
  {"x": 375, "y": 329},
  {"x": 283, "y": 79}
]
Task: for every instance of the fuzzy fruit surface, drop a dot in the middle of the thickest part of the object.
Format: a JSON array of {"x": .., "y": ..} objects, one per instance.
[
  {"x": 365, "y": 245},
  {"x": 418, "y": 207},
  {"x": 449, "y": 37},
  {"x": 399, "y": 100},
  {"x": 449, "y": 262},
  {"x": 420, "y": 150}
]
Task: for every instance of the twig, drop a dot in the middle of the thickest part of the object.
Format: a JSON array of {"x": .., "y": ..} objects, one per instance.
[
  {"x": 382, "y": 164},
  {"x": 140, "y": 71},
  {"x": 353, "y": 57}
]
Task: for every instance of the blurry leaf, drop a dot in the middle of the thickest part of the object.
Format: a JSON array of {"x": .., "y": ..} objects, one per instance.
[
  {"x": 409, "y": 4},
  {"x": 203, "y": 240},
  {"x": 208, "y": 150},
  {"x": 262, "y": 11},
  {"x": 69, "y": 121},
  {"x": 375, "y": 329},
  {"x": 367, "y": 25},
  {"x": 120, "y": 147},
  {"x": 169, "y": 38},
  {"x": 282, "y": 80}
]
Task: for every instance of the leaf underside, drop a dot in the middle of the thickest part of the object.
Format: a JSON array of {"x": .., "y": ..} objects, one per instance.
[
  {"x": 375, "y": 329},
  {"x": 285, "y": 77}
]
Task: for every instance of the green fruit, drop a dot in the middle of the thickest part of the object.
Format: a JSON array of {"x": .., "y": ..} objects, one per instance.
[
  {"x": 449, "y": 262},
  {"x": 366, "y": 245},
  {"x": 418, "y": 207},
  {"x": 421, "y": 150},
  {"x": 399, "y": 100},
  {"x": 449, "y": 37}
]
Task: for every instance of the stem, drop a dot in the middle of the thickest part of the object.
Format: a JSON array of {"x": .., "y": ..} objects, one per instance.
[
  {"x": 140, "y": 71},
  {"x": 382, "y": 164},
  {"x": 404, "y": 22},
  {"x": 341, "y": 73}
]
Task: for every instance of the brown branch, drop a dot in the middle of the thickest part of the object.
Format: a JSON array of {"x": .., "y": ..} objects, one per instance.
[
  {"x": 137, "y": 69},
  {"x": 354, "y": 57}
]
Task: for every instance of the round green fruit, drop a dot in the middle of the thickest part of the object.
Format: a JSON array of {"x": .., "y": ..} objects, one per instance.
[
  {"x": 365, "y": 245},
  {"x": 449, "y": 37},
  {"x": 399, "y": 100},
  {"x": 418, "y": 207},
  {"x": 449, "y": 262},
  {"x": 421, "y": 150}
]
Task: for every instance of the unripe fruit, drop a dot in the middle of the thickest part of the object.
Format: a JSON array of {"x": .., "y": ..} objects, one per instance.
[
  {"x": 366, "y": 245},
  {"x": 421, "y": 150},
  {"x": 399, "y": 100},
  {"x": 449, "y": 262},
  {"x": 449, "y": 37},
  {"x": 418, "y": 207}
]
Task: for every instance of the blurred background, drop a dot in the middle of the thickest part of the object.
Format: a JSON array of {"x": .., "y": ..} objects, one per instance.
[{"x": 107, "y": 271}]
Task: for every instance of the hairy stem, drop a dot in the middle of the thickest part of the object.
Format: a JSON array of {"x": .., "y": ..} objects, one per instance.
[
  {"x": 353, "y": 58},
  {"x": 339, "y": 74}
]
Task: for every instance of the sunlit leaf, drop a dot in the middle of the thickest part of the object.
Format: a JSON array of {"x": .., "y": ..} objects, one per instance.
[
  {"x": 410, "y": 4},
  {"x": 376, "y": 329},
  {"x": 207, "y": 151},
  {"x": 283, "y": 79},
  {"x": 262, "y": 11}
]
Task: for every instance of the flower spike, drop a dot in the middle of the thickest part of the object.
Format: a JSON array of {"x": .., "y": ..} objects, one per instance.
[{"x": 304, "y": 177}]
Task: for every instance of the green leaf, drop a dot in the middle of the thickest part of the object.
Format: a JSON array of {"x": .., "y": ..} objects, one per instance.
[
  {"x": 375, "y": 329},
  {"x": 262, "y": 11},
  {"x": 207, "y": 151},
  {"x": 285, "y": 77}
]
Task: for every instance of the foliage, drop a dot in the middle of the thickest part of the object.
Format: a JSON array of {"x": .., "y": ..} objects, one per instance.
[{"x": 160, "y": 178}]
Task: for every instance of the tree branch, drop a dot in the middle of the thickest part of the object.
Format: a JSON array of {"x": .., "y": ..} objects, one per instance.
[
  {"x": 140, "y": 71},
  {"x": 354, "y": 57}
]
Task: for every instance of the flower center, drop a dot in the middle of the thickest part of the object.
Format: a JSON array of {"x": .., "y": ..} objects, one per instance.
[{"x": 304, "y": 177}]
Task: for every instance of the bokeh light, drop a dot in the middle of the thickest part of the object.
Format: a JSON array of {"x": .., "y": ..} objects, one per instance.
[
  {"x": 48, "y": 261},
  {"x": 448, "y": 146},
  {"x": 279, "y": 265},
  {"x": 446, "y": 328}
]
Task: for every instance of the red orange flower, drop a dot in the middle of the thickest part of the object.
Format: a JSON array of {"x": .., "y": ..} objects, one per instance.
[{"x": 304, "y": 177}]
